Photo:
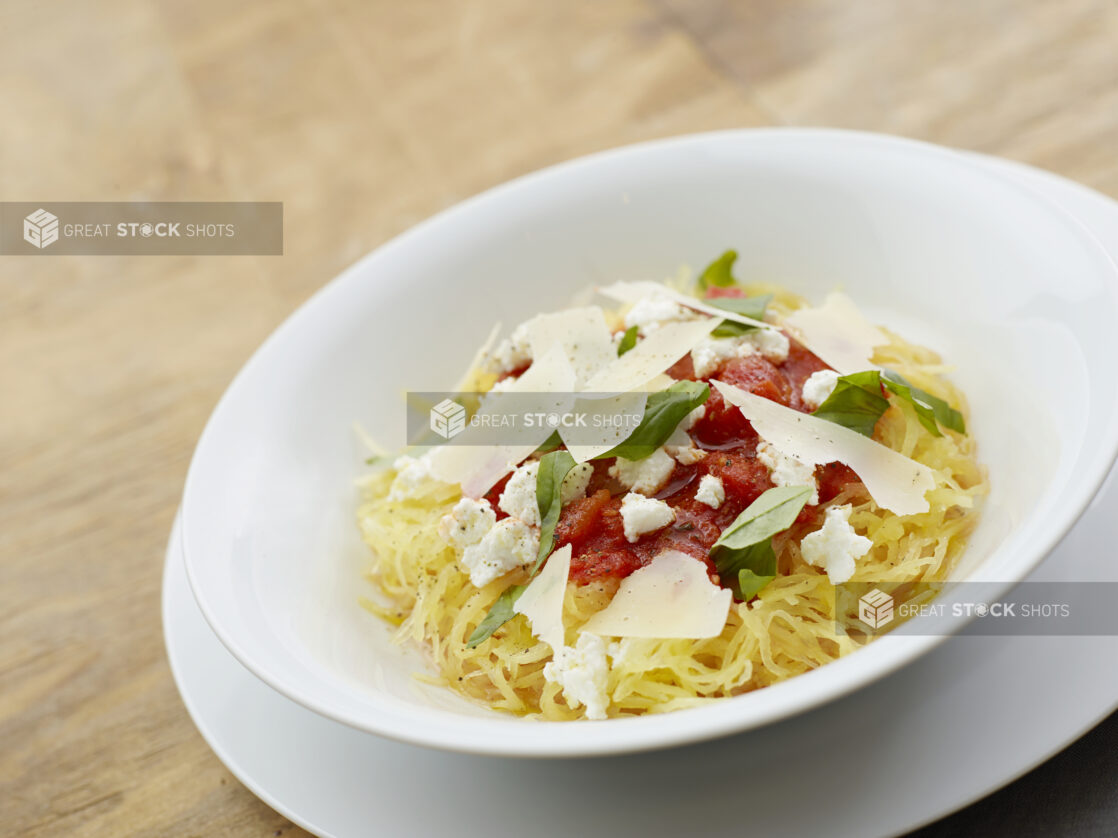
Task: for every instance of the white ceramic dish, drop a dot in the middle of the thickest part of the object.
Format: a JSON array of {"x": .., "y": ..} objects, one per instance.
[
  {"x": 1005, "y": 284},
  {"x": 974, "y": 716},
  {"x": 254, "y": 730}
]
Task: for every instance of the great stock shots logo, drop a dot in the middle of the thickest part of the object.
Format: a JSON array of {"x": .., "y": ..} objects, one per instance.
[
  {"x": 875, "y": 609},
  {"x": 40, "y": 228},
  {"x": 448, "y": 418},
  {"x": 141, "y": 228}
]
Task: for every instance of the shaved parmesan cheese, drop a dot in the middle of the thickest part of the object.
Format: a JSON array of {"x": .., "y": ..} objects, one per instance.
[
  {"x": 838, "y": 333},
  {"x": 608, "y": 423},
  {"x": 650, "y": 357},
  {"x": 657, "y": 383},
  {"x": 632, "y": 292},
  {"x": 479, "y": 360},
  {"x": 894, "y": 481},
  {"x": 672, "y": 596},
  {"x": 550, "y": 373},
  {"x": 583, "y": 334},
  {"x": 610, "y": 420},
  {"x": 477, "y": 467},
  {"x": 542, "y": 600}
]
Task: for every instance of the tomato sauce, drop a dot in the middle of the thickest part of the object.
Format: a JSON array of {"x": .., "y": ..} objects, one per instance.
[{"x": 593, "y": 525}]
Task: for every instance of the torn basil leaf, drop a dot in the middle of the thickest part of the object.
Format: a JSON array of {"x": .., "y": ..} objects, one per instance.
[
  {"x": 752, "y": 307},
  {"x": 750, "y": 571},
  {"x": 745, "y": 306},
  {"x": 550, "y": 444},
  {"x": 628, "y": 341},
  {"x": 929, "y": 408},
  {"x": 743, "y": 554},
  {"x": 549, "y": 485},
  {"x": 750, "y": 584},
  {"x": 858, "y": 401},
  {"x": 719, "y": 273},
  {"x": 773, "y": 512},
  {"x": 499, "y": 614},
  {"x": 663, "y": 412}
]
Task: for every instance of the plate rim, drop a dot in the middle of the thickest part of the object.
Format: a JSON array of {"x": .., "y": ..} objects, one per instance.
[{"x": 245, "y": 776}]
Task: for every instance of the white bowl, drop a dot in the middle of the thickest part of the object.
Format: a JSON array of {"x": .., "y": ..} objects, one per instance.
[{"x": 1004, "y": 284}]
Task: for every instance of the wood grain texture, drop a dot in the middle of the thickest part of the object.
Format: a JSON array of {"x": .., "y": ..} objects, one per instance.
[{"x": 363, "y": 118}]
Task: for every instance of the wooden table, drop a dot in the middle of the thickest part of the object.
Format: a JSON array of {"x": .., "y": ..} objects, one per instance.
[{"x": 362, "y": 118}]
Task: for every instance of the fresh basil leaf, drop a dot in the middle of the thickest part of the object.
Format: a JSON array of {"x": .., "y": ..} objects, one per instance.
[
  {"x": 549, "y": 485},
  {"x": 499, "y": 613},
  {"x": 743, "y": 554},
  {"x": 745, "y": 306},
  {"x": 750, "y": 584},
  {"x": 856, "y": 402},
  {"x": 751, "y": 569},
  {"x": 719, "y": 273},
  {"x": 628, "y": 341},
  {"x": 924, "y": 412},
  {"x": 663, "y": 412},
  {"x": 753, "y": 307},
  {"x": 772, "y": 513},
  {"x": 550, "y": 444},
  {"x": 926, "y": 403}
]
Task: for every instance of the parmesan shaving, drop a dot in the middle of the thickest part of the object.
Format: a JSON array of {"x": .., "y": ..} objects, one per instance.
[
  {"x": 479, "y": 359},
  {"x": 650, "y": 357},
  {"x": 476, "y": 466},
  {"x": 542, "y": 601},
  {"x": 894, "y": 481},
  {"x": 670, "y": 597},
  {"x": 605, "y": 429},
  {"x": 583, "y": 334},
  {"x": 657, "y": 383},
  {"x": 604, "y": 426},
  {"x": 630, "y": 292},
  {"x": 838, "y": 333}
]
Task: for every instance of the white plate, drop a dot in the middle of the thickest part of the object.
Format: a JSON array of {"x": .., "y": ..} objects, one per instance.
[
  {"x": 1009, "y": 288},
  {"x": 947, "y": 730}
]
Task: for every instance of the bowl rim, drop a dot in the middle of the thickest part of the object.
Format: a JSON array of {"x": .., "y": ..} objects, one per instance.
[{"x": 478, "y": 735}]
